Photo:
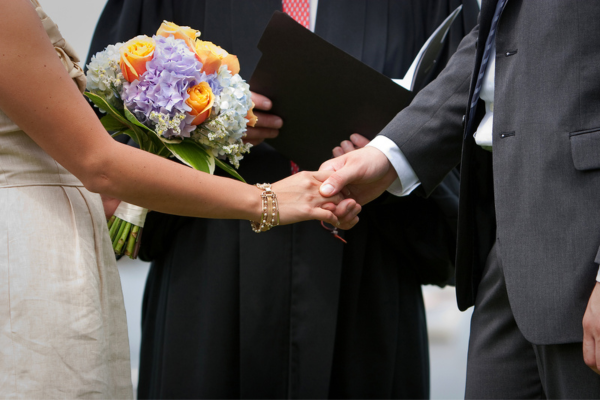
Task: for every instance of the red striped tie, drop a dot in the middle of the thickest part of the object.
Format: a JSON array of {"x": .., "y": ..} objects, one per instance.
[{"x": 300, "y": 11}]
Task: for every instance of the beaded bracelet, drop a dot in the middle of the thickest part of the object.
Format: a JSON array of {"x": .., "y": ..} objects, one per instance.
[{"x": 270, "y": 210}]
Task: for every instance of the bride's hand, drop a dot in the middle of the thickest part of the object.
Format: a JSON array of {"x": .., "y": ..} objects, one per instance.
[
  {"x": 299, "y": 200},
  {"x": 110, "y": 205}
]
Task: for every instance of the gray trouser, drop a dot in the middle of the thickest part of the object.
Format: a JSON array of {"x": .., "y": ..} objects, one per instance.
[{"x": 503, "y": 364}]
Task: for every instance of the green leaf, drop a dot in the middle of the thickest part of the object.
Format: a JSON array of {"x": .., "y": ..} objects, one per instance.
[
  {"x": 156, "y": 146},
  {"x": 102, "y": 104},
  {"x": 111, "y": 124},
  {"x": 194, "y": 155},
  {"x": 134, "y": 135},
  {"x": 229, "y": 169},
  {"x": 153, "y": 143},
  {"x": 132, "y": 118},
  {"x": 118, "y": 133}
]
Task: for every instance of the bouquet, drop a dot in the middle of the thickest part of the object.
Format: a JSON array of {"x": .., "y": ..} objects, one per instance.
[{"x": 175, "y": 96}]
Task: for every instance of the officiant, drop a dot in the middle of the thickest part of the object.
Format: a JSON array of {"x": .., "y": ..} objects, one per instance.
[{"x": 294, "y": 312}]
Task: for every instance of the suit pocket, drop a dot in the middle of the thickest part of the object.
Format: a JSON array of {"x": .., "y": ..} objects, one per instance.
[{"x": 585, "y": 149}]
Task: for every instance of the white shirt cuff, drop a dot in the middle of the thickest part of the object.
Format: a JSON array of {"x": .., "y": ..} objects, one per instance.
[
  {"x": 407, "y": 179},
  {"x": 598, "y": 276}
]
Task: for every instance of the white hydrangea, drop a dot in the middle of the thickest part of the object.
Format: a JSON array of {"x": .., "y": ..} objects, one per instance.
[
  {"x": 104, "y": 76},
  {"x": 223, "y": 131}
]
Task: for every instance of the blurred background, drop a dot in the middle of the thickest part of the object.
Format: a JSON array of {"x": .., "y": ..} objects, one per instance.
[{"x": 448, "y": 328}]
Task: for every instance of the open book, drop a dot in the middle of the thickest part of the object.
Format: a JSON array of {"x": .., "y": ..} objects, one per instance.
[
  {"x": 324, "y": 95},
  {"x": 427, "y": 57}
]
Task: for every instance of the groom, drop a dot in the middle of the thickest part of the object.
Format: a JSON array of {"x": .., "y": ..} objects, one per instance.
[{"x": 529, "y": 225}]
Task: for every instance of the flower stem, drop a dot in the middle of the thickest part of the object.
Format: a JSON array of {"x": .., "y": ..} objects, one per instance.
[
  {"x": 132, "y": 240},
  {"x": 122, "y": 238},
  {"x": 138, "y": 244},
  {"x": 114, "y": 229},
  {"x": 119, "y": 233},
  {"x": 111, "y": 221}
]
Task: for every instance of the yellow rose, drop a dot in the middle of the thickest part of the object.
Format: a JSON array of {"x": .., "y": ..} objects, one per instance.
[
  {"x": 201, "y": 100},
  {"x": 179, "y": 32},
  {"x": 212, "y": 57},
  {"x": 134, "y": 56}
]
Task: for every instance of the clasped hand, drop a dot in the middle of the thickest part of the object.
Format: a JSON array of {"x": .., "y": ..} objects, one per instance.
[{"x": 359, "y": 172}]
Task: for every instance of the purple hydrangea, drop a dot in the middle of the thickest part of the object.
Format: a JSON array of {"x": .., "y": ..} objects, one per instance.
[{"x": 163, "y": 87}]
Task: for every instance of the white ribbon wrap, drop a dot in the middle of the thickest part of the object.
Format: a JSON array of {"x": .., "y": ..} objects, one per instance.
[{"x": 132, "y": 214}]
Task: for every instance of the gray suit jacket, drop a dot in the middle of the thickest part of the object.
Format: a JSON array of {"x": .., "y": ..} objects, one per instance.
[{"x": 542, "y": 201}]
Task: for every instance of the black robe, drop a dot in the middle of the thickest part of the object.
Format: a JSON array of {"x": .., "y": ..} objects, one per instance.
[{"x": 293, "y": 312}]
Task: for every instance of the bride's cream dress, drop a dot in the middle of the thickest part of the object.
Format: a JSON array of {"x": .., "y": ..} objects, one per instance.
[{"x": 63, "y": 331}]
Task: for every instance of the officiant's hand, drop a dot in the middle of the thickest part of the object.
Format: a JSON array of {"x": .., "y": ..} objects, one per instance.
[
  {"x": 362, "y": 174},
  {"x": 356, "y": 142},
  {"x": 267, "y": 126}
]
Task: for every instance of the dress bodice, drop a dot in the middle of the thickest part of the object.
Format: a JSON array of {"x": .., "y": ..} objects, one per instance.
[{"x": 22, "y": 161}]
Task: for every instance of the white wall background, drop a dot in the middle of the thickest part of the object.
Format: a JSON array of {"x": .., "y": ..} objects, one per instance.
[
  {"x": 76, "y": 20},
  {"x": 448, "y": 328}
]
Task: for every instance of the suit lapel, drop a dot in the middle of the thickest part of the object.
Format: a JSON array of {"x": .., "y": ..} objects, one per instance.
[{"x": 485, "y": 21}]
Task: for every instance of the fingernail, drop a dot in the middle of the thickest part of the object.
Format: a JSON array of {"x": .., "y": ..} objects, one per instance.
[
  {"x": 278, "y": 123},
  {"x": 327, "y": 189},
  {"x": 266, "y": 105}
]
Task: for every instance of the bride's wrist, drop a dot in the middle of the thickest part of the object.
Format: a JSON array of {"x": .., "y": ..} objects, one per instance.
[
  {"x": 253, "y": 204},
  {"x": 269, "y": 209}
]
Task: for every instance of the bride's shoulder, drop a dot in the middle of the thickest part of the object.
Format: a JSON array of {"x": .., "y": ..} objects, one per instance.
[{"x": 65, "y": 51}]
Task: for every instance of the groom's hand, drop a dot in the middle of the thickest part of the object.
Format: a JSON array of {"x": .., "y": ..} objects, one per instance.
[
  {"x": 363, "y": 175},
  {"x": 267, "y": 126},
  {"x": 591, "y": 331}
]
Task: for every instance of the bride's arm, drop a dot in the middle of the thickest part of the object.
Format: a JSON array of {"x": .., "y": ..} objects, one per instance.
[{"x": 38, "y": 95}]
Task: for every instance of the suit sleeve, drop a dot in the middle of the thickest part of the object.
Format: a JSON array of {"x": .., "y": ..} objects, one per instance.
[{"x": 429, "y": 132}]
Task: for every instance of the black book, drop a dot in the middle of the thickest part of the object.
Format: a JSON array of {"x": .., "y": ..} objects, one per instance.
[{"x": 324, "y": 95}]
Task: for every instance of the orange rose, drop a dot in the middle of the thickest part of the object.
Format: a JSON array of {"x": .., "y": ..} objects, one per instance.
[
  {"x": 212, "y": 57},
  {"x": 201, "y": 100},
  {"x": 252, "y": 119},
  {"x": 233, "y": 64},
  {"x": 134, "y": 56},
  {"x": 179, "y": 32}
]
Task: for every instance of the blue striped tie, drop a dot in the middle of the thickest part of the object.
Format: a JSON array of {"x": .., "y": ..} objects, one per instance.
[{"x": 489, "y": 43}]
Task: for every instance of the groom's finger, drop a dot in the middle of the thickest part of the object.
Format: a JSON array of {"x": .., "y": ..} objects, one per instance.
[
  {"x": 590, "y": 349},
  {"x": 336, "y": 182}
]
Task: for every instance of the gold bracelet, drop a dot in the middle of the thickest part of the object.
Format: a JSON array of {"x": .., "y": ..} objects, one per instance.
[{"x": 270, "y": 209}]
